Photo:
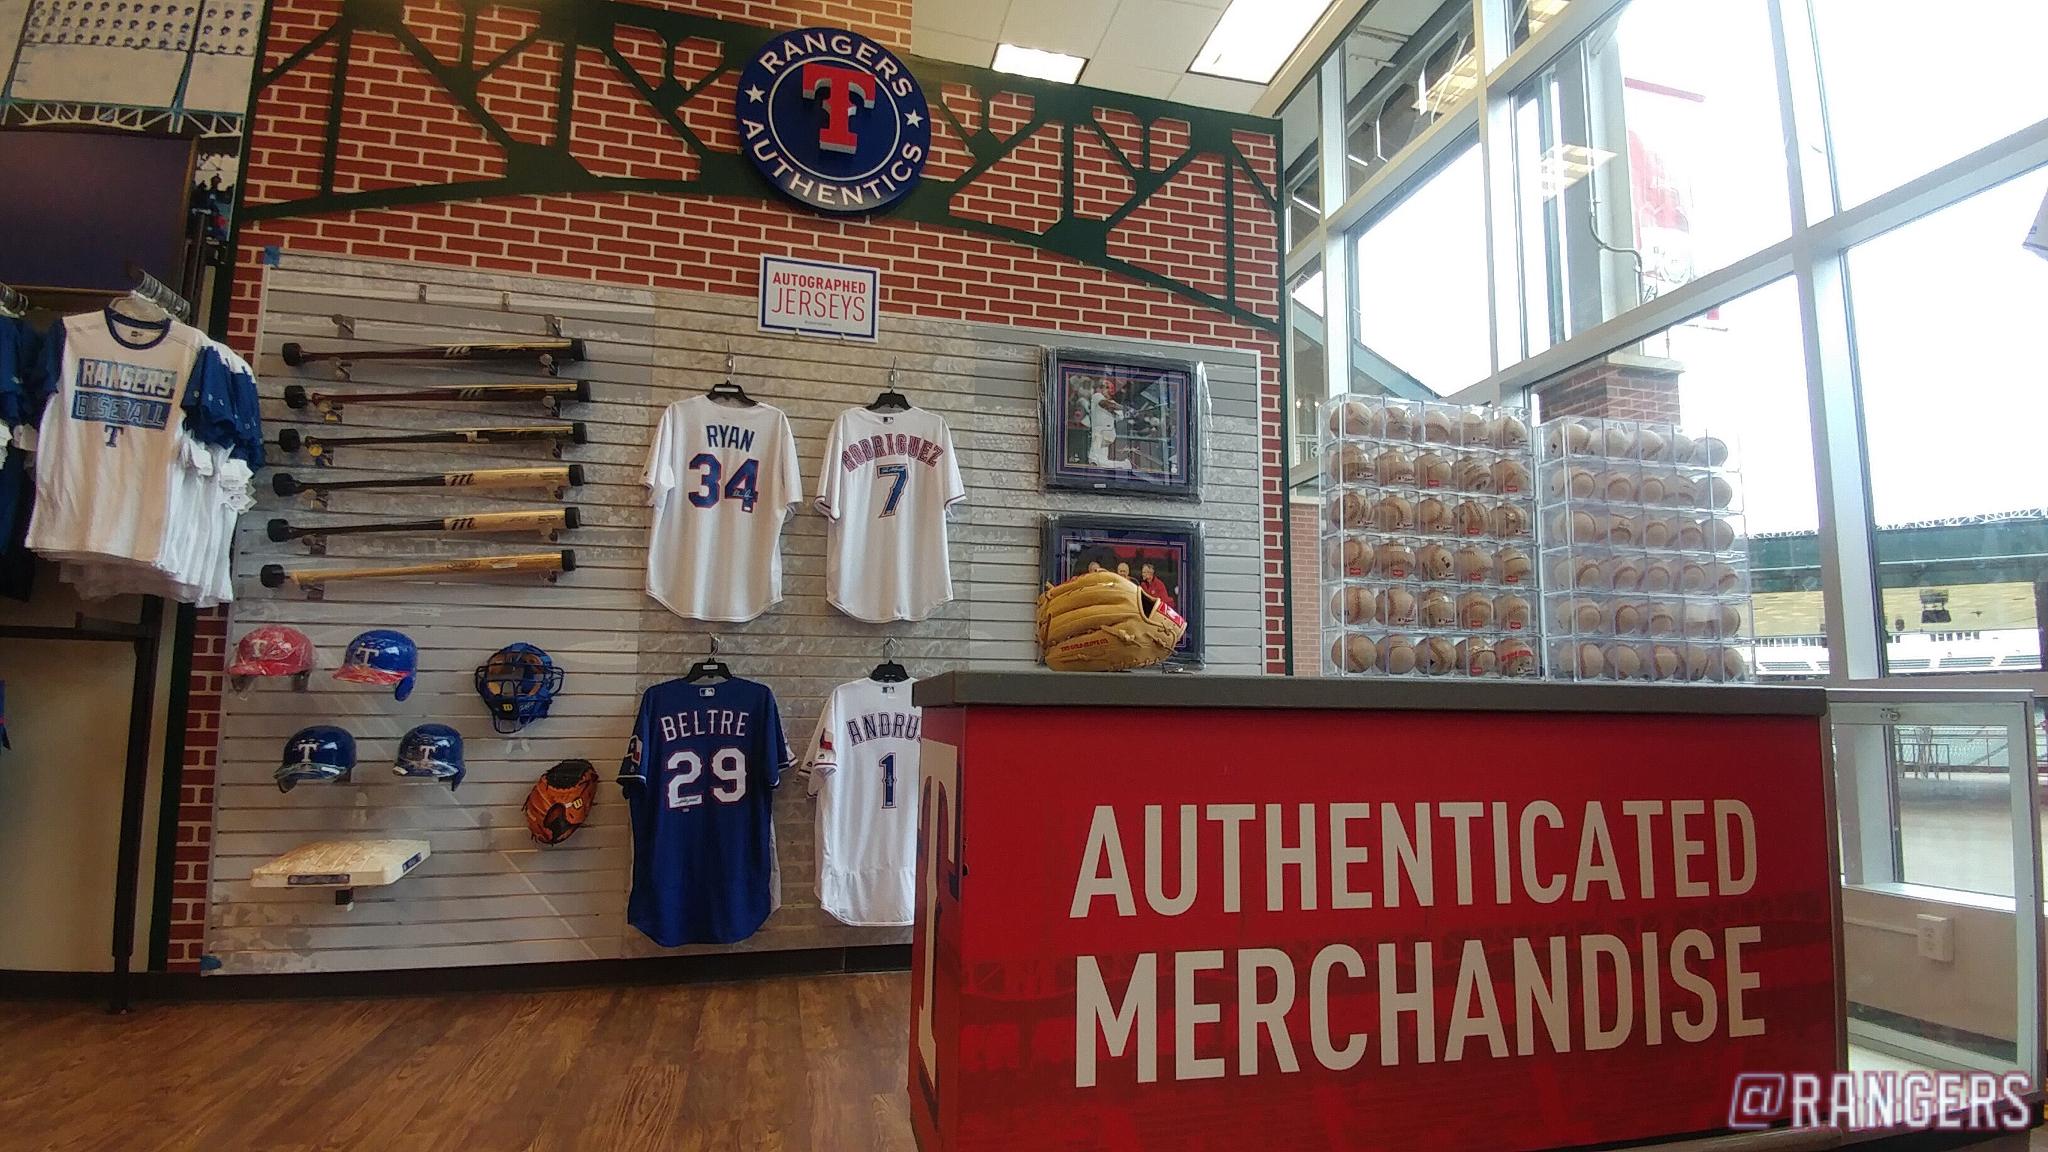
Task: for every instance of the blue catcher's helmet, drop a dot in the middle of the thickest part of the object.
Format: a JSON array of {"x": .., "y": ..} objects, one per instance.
[
  {"x": 381, "y": 656},
  {"x": 517, "y": 684},
  {"x": 432, "y": 751},
  {"x": 322, "y": 753}
]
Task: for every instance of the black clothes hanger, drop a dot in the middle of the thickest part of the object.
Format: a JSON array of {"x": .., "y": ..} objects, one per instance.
[
  {"x": 711, "y": 667},
  {"x": 889, "y": 671},
  {"x": 728, "y": 392},
  {"x": 890, "y": 400}
]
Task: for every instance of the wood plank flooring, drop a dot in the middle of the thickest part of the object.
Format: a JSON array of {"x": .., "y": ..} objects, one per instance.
[{"x": 769, "y": 1066}]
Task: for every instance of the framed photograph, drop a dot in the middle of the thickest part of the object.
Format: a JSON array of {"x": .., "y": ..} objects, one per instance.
[
  {"x": 1122, "y": 424},
  {"x": 1164, "y": 557}
]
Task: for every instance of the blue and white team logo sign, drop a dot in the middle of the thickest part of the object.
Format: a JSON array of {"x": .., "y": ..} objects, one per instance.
[{"x": 834, "y": 119}]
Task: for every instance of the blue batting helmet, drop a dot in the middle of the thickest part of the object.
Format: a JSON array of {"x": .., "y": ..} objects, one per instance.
[
  {"x": 322, "y": 753},
  {"x": 432, "y": 751},
  {"x": 517, "y": 683},
  {"x": 381, "y": 656}
]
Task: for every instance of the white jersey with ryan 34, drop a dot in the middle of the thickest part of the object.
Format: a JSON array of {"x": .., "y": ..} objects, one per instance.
[
  {"x": 885, "y": 483},
  {"x": 722, "y": 479}
]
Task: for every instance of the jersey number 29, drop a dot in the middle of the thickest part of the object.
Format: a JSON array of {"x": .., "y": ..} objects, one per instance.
[
  {"x": 728, "y": 768},
  {"x": 743, "y": 486}
]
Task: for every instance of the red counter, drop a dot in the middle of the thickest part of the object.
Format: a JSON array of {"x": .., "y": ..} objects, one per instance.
[{"x": 1200, "y": 913}]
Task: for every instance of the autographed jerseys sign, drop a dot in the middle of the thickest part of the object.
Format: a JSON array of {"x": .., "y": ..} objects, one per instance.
[
  {"x": 721, "y": 479},
  {"x": 886, "y": 482},
  {"x": 834, "y": 120}
]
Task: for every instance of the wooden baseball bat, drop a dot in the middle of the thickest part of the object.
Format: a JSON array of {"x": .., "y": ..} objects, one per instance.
[
  {"x": 553, "y": 476},
  {"x": 291, "y": 439},
  {"x": 525, "y": 520},
  {"x": 548, "y": 352},
  {"x": 550, "y": 392},
  {"x": 277, "y": 575}
]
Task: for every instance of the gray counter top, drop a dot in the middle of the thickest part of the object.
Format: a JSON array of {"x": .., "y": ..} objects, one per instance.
[{"x": 1154, "y": 690}]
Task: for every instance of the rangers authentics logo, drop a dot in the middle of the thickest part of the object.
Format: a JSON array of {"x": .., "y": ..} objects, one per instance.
[{"x": 834, "y": 120}]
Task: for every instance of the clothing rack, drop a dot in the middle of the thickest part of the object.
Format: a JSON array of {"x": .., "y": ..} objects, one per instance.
[
  {"x": 142, "y": 635},
  {"x": 158, "y": 293}
]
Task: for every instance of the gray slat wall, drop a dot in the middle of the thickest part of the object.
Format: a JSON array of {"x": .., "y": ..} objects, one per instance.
[{"x": 489, "y": 895}]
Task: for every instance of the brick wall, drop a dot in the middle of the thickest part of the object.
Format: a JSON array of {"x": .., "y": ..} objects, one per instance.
[
  {"x": 1622, "y": 386},
  {"x": 193, "y": 854},
  {"x": 1306, "y": 573},
  {"x": 400, "y": 129}
]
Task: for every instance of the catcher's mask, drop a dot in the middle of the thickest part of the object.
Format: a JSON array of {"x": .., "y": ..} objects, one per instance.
[
  {"x": 517, "y": 684},
  {"x": 560, "y": 801}
]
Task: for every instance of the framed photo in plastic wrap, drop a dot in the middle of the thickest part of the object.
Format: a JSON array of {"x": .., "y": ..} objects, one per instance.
[
  {"x": 1163, "y": 557},
  {"x": 1126, "y": 424}
]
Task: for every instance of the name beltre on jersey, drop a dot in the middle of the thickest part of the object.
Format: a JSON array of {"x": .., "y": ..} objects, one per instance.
[{"x": 703, "y": 722}]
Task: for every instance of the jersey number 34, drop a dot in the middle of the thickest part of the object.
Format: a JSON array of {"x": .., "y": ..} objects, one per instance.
[
  {"x": 685, "y": 768},
  {"x": 744, "y": 485}
]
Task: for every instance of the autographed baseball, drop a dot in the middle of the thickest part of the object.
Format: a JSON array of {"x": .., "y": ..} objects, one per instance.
[
  {"x": 1354, "y": 418},
  {"x": 1395, "y": 467},
  {"x": 1692, "y": 578},
  {"x": 1619, "y": 441},
  {"x": 1397, "y": 422},
  {"x": 1710, "y": 451},
  {"x": 1700, "y": 661},
  {"x": 1665, "y": 662},
  {"x": 1475, "y": 611},
  {"x": 1394, "y": 514},
  {"x": 1713, "y": 492},
  {"x": 1438, "y": 609},
  {"x": 1515, "y": 657},
  {"x": 1470, "y": 518},
  {"x": 1652, "y": 490},
  {"x": 1474, "y": 565},
  {"x": 1690, "y": 537},
  {"x": 1567, "y": 438},
  {"x": 1733, "y": 666},
  {"x": 1621, "y": 531},
  {"x": 1437, "y": 427},
  {"x": 1437, "y": 656},
  {"x": 1352, "y": 652},
  {"x": 1477, "y": 657},
  {"x": 1624, "y": 574},
  {"x": 1510, "y": 520},
  {"x": 1474, "y": 429},
  {"x": 1585, "y": 615},
  {"x": 1397, "y": 655},
  {"x": 1658, "y": 532},
  {"x": 1622, "y": 662},
  {"x": 1432, "y": 515},
  {"x": 1650, "y": 445},
  {"x": 1579, "y": 483},
  {"x": 1394, "y": 561},
  {"x": 1509, "y": 432},
  {"x": 1397, "y": 608},
  {"x": 1433, "y": 470},
  {"x": 1720, "y": 535},
  {"x": 1434, "y": 562},
  {"x": 1354, "y": 605},
  {"x": 1352, "y": 556},
  {"x": 1514, "y": 565},
  {"x": 1681, "y": 448},
  {"x": 1617, "y": 487},
  {"x": 1726, "y": 579},
  {"x": 1663, "y": 618},
  {"x": 1628, "y": 618},
  {"x": 1474, "y": 475},
  {"x": 1510, "y": 477},
  {"x": 1512, "y": 612},
  {"x": 1352, "y": 462},
  {"x": 1659, "y": 576}
]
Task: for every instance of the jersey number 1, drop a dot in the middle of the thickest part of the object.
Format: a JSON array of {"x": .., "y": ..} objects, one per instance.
[
  {"x": 889, "y": 780},
  {"x": 744, "y": 486}
]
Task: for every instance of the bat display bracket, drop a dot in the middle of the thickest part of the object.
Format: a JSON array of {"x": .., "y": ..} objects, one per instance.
[{"x": 344, "y": 326}]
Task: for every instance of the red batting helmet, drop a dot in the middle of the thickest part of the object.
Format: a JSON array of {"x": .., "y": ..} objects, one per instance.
[{"x": 273, "y": 650}]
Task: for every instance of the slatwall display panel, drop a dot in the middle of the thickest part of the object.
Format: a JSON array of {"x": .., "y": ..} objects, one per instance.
[{"x": 488, "y": 894}]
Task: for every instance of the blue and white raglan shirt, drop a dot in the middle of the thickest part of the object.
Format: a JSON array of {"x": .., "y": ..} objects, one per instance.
[
  {"x": 700, "y": 775},
  {"x": 135, "y": 416}
]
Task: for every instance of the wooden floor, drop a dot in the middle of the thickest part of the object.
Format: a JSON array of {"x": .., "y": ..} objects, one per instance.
[{"x": 795, "y": 1064}]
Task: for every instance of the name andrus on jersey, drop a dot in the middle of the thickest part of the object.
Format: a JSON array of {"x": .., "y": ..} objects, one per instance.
[
  {"x": 883, "y": 726},
  {"x": 888, "y": 444}
]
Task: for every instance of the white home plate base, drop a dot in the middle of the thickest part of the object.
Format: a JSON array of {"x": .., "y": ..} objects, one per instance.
[{"x": 341, "y": 864}]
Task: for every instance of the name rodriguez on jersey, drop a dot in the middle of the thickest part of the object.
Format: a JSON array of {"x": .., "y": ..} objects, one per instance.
[
  {"x": 886, "y": 445},
  {"x": 1357, "y": 1000}
]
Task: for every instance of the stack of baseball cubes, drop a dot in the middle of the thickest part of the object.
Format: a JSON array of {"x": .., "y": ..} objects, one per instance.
[
  {"x": 1645, "y": 557},
  {"x": 1428, "y": 540}
]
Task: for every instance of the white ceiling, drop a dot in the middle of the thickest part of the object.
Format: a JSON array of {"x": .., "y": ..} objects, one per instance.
[{"x": 1138, "y": 46}]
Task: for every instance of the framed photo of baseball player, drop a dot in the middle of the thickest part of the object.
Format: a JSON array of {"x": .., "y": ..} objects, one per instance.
[
  {"x": 1163, "y": 557},
  {"x": 1122, "y": 424}
]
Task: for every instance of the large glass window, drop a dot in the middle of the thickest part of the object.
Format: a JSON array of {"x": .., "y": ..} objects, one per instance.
[
  {"x": 1527, "y": 18},
  {"x": 1952, "y": 360},
  {"x": 1650, "y": 154},
  {"x": 1421, "y": 287},
  {"x": 1736, "y": 373},
  {"x": 1398, "y": 81},
  {"x": 1301, "y": 172},
  {"x": 1910, "y": 86},
  {"x": 1307, "y": 365}
]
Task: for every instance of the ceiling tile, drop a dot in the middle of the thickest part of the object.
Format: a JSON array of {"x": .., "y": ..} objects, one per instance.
[
  {"x": 982, "y": 19},
  {"x": 1216, "y": 92},
  {"x": 948, "y": 46},
  {"x": 1075, "y": 27},
  {"x": 1130, "y": 78},
  {"x": 1159, "y": 34}
]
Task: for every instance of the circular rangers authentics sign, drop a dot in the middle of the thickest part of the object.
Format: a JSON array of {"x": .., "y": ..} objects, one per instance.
[{"x": 834, "y": 120}]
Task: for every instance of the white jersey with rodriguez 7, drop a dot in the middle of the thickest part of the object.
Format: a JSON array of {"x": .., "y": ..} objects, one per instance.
[
  {"x": 886, "y": 482},
  {"x": 722, "y": 479}
]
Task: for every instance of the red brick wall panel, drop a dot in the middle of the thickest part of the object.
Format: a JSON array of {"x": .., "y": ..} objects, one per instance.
[
  {"x": 438, "y": 25},
  {"x": 521, "y": 93},
  {"x": 1022, "y": 190},
  {"x": 1179, "y": 230},
  {"x": 1101, "y": 184},
  {"x": 399, "y": 129},
  {"x": 616, "y": 133}
]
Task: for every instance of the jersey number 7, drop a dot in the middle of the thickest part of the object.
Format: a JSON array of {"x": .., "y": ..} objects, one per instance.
[
  {"x": 744, "y": 486},
  {"x": 899, "y": 475}
]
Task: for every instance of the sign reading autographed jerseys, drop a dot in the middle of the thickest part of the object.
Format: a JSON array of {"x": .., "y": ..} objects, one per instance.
[
  {"x": 807, "y": 298},
  {"x": 834, "y": 120}
]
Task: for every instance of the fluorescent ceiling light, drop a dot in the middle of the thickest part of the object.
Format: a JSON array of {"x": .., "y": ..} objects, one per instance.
[
  {"x": 1055, "y": 66},
  {"x": 1255, "y": 37}
]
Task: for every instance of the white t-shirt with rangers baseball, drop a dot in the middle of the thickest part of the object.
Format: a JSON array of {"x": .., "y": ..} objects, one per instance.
[
  {"x": 862, "y": 769},
  {"x": 886, "y": 482},
  {"x": 113, "y": 466},
  {"x": 721, "y": 479}
]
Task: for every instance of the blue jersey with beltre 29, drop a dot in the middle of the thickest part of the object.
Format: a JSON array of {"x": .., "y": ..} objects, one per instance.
[{"x": 699, "y": 778}]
